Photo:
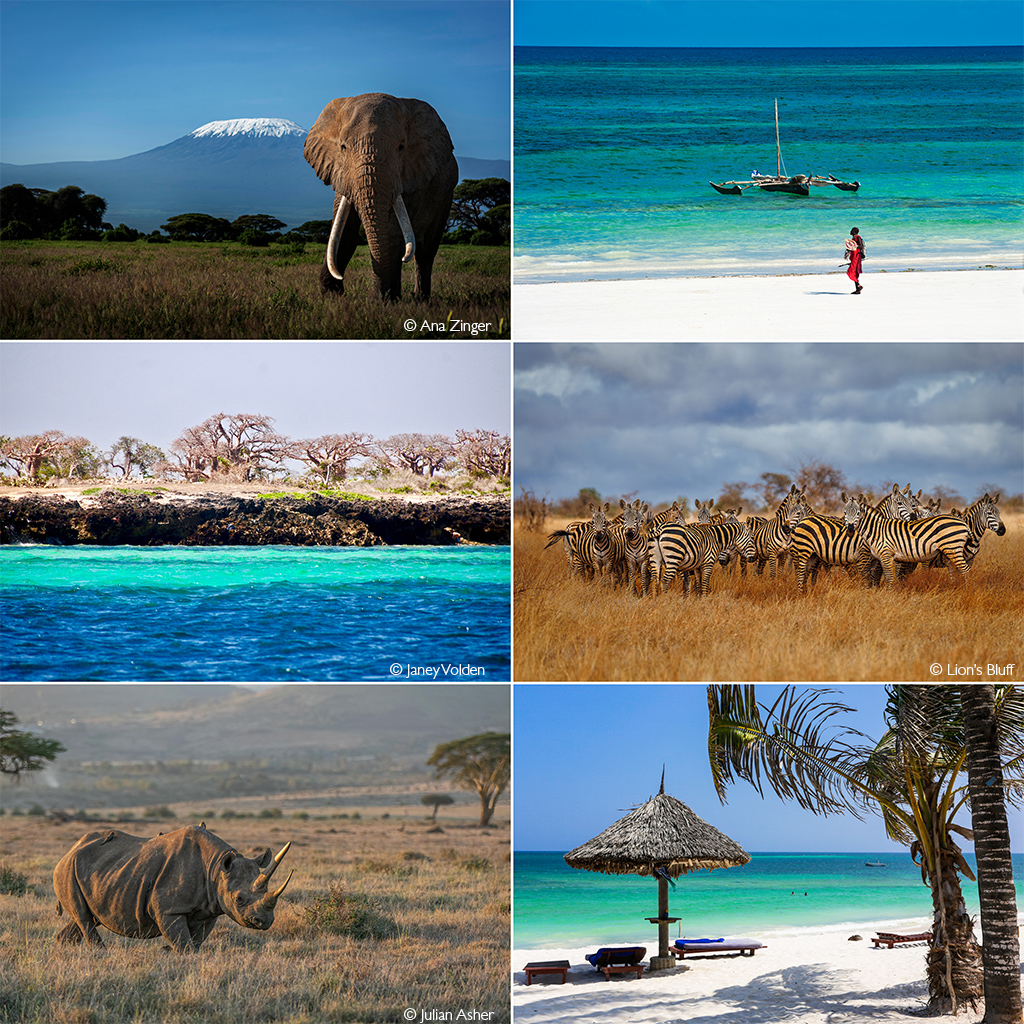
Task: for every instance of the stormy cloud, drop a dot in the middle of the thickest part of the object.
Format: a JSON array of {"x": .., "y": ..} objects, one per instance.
[{"x": 667, "y": 420}]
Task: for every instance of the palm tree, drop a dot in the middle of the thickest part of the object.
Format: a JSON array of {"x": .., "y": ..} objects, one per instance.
[
  {"x": 912, "y": 777},
  {"x": 1001, "y": 945}
]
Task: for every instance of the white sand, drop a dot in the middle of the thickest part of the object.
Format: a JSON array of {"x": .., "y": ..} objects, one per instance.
[
  {"x": 810, "y": 978},
  {"x": 971, "y": 305}
]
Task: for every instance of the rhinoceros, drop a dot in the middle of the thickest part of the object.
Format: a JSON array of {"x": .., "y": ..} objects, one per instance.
[{"x": 176, "y": 885}]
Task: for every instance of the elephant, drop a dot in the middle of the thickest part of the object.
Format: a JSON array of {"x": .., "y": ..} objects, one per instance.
[{"x": 392, "y": 167}]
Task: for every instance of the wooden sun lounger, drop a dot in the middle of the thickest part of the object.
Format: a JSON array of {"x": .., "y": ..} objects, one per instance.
[
  {"x": 623, "y": 960},
  {"x": 890, "y": 939},
  {"x": 745, "y": 947},
  {"x": 546, "y": 967}
]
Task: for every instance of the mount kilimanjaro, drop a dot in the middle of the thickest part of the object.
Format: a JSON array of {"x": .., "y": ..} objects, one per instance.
[{"x": 224, "y": 168}]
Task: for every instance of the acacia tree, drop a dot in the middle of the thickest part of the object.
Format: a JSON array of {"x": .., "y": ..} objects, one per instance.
[
  {"x": 912, "y": 777},
  {"x": 435, "y": 800},
  {"x": 486, "y": 451},
  {"x": 128, "y": 453},
  {"x": 482, "y": 763},
  {"x": 424, "y": 454},
  {"x": 822, "y": 484},
  {"x": 242, "y": 446},
  {"x": 328, "y": 456},
  {"x": 22, "y": 751}
]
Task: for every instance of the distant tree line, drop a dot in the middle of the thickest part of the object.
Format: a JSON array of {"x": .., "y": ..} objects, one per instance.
[
  {"x": 246, "y": 447},
  {"x": 481, "y": 215},
  {"x": 821, "y": 482}
]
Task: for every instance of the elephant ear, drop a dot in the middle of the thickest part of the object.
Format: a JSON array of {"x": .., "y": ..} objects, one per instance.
[
  {"x": 428, "y": 146},
  {"x": 323, "y": 139}
]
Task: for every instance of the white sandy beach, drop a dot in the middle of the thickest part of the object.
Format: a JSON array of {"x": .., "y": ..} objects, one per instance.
[
  {"x": 956, "y": 305},
  {"x": 810, "y": 978}
]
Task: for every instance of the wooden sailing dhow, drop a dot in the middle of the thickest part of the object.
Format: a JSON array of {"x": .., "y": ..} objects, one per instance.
[{"x": 797, "y": 185}]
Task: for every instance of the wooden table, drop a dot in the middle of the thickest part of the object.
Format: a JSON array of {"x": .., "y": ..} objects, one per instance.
[{"x": 546, "y": 967}]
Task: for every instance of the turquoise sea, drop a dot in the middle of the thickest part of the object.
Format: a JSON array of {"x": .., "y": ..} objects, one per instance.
[
  {"x": 255, "y": 613},
  {"x": 614, "y": 148},
  {"x": 558, "y": 907}
]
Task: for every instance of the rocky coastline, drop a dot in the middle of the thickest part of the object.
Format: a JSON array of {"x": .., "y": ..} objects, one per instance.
[{"x": 114, "y": 517}]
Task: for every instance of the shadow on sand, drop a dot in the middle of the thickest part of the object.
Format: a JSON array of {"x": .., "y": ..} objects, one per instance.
[{"x": 775, "y": 997}]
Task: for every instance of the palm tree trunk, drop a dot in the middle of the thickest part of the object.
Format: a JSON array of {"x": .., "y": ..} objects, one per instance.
[
  {"x": 954, "y": 960},
  {"x": 1001, "y": 945}
]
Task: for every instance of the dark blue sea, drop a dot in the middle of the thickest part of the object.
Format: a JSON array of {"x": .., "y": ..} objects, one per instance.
[
  {"x": 614, "y": 149},
  {"x": 559, "y": 907},
  {"x": 255, "y": 613}
]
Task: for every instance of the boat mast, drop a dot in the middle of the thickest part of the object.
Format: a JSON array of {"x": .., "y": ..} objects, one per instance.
[{"x": 778, "y": 149}]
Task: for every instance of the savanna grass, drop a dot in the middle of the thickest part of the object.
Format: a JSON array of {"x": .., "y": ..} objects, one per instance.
[
  {"x": 182, "y": 290},
  {"x": 752, "y": 628},
  {"x": 434, "y": 937}
]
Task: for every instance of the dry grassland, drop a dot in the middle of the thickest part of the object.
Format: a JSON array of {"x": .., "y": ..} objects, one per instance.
[
  {"x": 445, "y": 897},
  {"x": 751, "y": 628}
]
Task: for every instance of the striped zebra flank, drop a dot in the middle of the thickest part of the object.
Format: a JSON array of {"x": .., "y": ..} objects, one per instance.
[
  {"x": 819, "y": 541},
  {"x": 980, "y": 516},
  {"x": 919, "y": 540},
  {"x": 695, "y": 549}
]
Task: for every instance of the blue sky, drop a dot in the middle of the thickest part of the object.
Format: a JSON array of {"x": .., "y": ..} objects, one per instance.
[
  {"x": 155, "y": 390},
  {"x": 88, "y": 80},
  {"x": 768, "y": 22},
  {"x": 587, "y": 754}
]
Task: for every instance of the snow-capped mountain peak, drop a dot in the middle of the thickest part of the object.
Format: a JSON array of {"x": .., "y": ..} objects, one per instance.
[{"x": 253, "y": 127}]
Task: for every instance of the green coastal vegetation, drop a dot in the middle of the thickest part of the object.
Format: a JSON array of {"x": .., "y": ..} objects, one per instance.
[{"x": 69, "y": 274}]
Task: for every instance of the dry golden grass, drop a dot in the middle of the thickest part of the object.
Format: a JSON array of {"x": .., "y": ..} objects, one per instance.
[
  {"x": 753, "y": 628},
  {"x": 447, "y": 892}
]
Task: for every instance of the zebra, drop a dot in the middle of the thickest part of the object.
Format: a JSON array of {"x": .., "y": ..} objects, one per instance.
[
  {"x": 981, "y": 516},
  {"x": 587, "y": 544},
  {"x": 695, "y": 549},
  {"x": 824, "y": 540},
  {"x": 899, "y": 540},
  {"x": 630, "y": 542},
  {"x": 772, "y": 536}
]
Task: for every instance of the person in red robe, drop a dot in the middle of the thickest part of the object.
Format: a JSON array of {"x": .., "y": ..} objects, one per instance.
[{"x": 855, "y": 255}]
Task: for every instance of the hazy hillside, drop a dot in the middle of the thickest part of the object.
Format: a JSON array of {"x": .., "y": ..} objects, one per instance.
[{"x": 135, "y": 744}]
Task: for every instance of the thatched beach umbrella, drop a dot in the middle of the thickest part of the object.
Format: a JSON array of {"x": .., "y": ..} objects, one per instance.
[{"x": 662, "y": 838}]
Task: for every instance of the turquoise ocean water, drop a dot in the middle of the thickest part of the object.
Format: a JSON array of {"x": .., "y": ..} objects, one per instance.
[
  {"x": 255, "y": 613},
  {"x": 558, "y": 907},
  {"x": 614, "y": 149}
]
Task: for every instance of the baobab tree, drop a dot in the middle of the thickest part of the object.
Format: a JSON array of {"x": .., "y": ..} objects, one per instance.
[
  {"x": 328, "y": 456},
  {"x": 242, "y": 446}
]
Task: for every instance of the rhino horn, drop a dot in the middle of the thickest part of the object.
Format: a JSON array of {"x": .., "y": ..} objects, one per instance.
[
  {"x": 261, "y": 882},
  {"x": 268, "y": 901}
]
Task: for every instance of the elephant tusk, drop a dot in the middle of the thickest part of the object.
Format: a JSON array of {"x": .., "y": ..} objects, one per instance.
[
  {"x": 403, "y": 222},
  {"x": 337, "y": 227}
]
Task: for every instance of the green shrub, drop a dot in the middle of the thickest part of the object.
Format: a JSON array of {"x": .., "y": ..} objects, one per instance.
[
  {"x": 12, "y": 883},
  {"x": 163, "y": 811},
  {"x": 352, "y": 914},
  {"x": 37, "y": 811}
]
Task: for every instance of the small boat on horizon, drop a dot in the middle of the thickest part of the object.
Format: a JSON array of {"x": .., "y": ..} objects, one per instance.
[
  {"x": 797, "y": 184},
  {"x": 874, "y": 864}
]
